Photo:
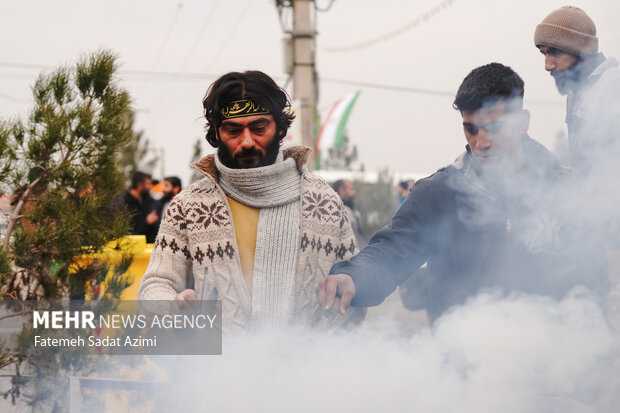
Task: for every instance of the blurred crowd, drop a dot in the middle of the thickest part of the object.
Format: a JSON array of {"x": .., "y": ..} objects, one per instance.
[{"x": 146, "y": 200}]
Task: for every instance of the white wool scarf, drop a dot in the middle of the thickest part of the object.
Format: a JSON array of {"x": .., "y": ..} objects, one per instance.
[{"x": 276, "y": 191}]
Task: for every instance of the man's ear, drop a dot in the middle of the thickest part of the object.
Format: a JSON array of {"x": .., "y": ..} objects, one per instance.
[{"x": 524, "y": 121}]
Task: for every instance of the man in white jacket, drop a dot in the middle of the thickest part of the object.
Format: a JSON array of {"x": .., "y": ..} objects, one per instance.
[{"x": 591, "y": 82}]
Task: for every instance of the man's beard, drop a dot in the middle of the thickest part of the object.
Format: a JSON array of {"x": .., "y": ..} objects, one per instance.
[
  {"x": 167, "y": 197},
  {"x": 145, "y": 193},
  {"x": 268, "y": 158},
  {"x": 565, "y": 80},
  {"x": 348, "y": 202}
]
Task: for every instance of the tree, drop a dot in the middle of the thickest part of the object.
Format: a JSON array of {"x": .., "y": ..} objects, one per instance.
[
  {"x": 61, "y": 167},
  {"x": 138, "y": 154}
]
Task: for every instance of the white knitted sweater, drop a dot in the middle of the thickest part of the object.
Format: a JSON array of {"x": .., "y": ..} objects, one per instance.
[{"x": 197, "y": 232}]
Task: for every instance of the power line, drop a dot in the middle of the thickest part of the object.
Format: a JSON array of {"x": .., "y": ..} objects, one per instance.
[
  {"x": 14, "y": 76},
  {"x": 35, "y": 66},
  {"x": 192, "y": 49},
  {"x": 205, "y": 25},
  {"x": 13, "y": 99},
  {"x": 390, "y": 35},
  {"x": 164, "y": 43},
  {"x": 227, "y": 38},
  {"x": 138, "y": 73},
  {"x": 202, "y": 76},
  {"x": 433, "y": 92},
  {"x": 173, "y": 75},
  {"x": 323, "y": 9},
  {"x": 387, "y": 87}
]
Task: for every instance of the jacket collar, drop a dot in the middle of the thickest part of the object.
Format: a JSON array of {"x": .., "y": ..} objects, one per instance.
[
  {"x": 604, "y": 65},
  {"x": 590, "y": 70},
  {"x": 538, "y": 163},
  {"x": 206, "y": 166},
  {"x": 533, "y": 152}
]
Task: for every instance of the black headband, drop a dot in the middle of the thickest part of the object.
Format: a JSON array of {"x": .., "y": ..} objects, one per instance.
[{"x": 241, "y": 108}]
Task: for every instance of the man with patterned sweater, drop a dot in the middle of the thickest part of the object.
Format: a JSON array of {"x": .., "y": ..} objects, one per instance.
[{"x": 259, "y": 229}]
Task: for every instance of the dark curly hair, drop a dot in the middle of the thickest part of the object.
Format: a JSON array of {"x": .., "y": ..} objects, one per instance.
[
  {"x": 253, "y": 85},
  {"x": 489, "y": 84}
]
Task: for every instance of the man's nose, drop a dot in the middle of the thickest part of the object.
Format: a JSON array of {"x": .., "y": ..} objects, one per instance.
[
  {"x": 549, "y": 63},
  {"x": 246, "y": 139},
  {"x": 482, "y": 142}
]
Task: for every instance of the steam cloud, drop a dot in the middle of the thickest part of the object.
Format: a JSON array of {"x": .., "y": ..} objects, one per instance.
[
  {"x": 513, "y": 354},
  {"x": 496, "y": 353}
]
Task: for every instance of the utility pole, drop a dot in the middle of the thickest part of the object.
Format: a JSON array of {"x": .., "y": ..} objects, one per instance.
[
  {"x": 301, "y": 66},
  {"x": 162, "y": 162}
]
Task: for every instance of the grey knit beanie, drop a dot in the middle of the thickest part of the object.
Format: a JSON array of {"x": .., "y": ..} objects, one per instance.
[{"x": 568, "y": 29}]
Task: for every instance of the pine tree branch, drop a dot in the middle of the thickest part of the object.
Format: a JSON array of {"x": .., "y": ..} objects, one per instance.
[
  {"x": 17, "y": 210},
  {"x": 11, "y": 315},
  {"x": 71, "y": 133},
  {"x": 78, "y": 150},
  {"x": 21, "y": 313}
]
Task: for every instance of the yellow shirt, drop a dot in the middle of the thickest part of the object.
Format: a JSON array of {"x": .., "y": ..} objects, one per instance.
[{"x": 245, "y": 220}]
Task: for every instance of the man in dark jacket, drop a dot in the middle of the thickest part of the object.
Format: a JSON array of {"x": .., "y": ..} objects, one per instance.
[
  {"x": 171, "y": 187},
  {"x": 137, "y": 202},
  {"x": 491, "y": 219}
]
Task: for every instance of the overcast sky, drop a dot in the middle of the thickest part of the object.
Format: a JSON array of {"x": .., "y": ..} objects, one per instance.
[{"x": 402, "y": 130}]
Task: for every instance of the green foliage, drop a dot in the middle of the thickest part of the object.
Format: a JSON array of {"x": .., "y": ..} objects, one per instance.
[
  {"x": 120, "y": 279},
  {"x": 138, "y": 155},
  {"x": 5, "y": 266},
  {"x": 62, "y": 167},
  {"x": 63, "y": 170},
  {"x": 7, "y": 155}
]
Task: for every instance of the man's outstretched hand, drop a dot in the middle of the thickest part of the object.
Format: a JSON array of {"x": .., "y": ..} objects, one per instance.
[
  {"x": 184, "y": 302},
  {"x": 336, "y": 285}
]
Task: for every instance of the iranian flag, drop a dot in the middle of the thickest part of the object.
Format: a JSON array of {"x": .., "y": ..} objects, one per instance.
[{"x": 332, "y": 131}]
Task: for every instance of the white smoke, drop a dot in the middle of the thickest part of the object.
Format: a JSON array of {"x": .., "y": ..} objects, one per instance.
[
  {"x": 515, "y": 354},
  {"x": 511, "y": 354},
  {"x": 496, "y": 353}
]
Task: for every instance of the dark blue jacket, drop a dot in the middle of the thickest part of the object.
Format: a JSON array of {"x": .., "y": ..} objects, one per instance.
[{"x": 474, "y": 234}]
